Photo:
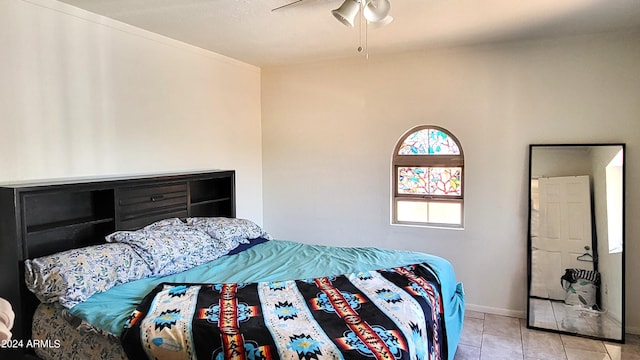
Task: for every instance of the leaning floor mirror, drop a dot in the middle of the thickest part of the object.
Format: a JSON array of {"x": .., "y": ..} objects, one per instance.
[{"x": 576, "y": 239}]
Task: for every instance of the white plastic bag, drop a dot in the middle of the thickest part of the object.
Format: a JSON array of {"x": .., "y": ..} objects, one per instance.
[{"x": 581, "y": 292}]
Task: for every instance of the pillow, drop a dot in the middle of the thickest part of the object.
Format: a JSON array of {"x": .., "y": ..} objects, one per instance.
[
  {"x": 164, "y": 224},
  {"x": 170, "y": 250},
  {"x": 229, "y": 229},
  {"x": 72, "y": 276}
]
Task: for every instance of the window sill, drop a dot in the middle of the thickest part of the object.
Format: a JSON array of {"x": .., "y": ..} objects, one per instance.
[{"x": 429, "y": 226}]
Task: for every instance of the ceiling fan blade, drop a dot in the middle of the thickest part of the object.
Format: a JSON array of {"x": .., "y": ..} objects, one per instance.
[{"x": 285, "y": 5}]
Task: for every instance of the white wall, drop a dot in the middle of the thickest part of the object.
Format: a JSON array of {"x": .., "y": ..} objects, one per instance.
[
  {"x": 83, "y": 95},
  {"x": 329, "y": 129}
]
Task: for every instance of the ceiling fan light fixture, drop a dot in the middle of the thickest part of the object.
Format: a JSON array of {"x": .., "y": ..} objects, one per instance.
[
  {"x": 347, "y": 12},
  {"x": 376, "y": 10},
  {"x": 385, "y": 21}
]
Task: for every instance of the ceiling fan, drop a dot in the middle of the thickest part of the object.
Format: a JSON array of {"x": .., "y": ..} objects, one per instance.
[{"x": 374, "y": 11}]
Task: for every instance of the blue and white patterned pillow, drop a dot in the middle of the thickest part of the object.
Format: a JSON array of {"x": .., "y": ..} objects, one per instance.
[
  {"x": 166, "y": 224},
  {"x": 229, "y": 229},
  {"x": 168, "y": 250},
  {"x": 72, "y": 276}
]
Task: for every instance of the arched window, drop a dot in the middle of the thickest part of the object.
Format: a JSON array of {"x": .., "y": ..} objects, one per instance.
[{"x": 428, "y": 181}]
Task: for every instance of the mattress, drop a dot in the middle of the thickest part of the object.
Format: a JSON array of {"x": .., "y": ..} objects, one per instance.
[{"x": 274, "y": 260}]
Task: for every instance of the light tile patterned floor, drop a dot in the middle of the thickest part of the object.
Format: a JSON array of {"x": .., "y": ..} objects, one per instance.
[
  {"x": 557, "y": 315},
  {"x": 495, "y": 337}
]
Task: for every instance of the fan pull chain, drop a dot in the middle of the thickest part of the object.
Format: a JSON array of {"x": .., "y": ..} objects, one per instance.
[
  {"x": 360, "y": 49},
  {"x": 366, "y": 40},
  {"x": 366, "y": 37}
]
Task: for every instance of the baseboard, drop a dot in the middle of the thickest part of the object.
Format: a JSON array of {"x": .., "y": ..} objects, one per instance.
[
  {"x": 634, "y": 330},
  {"x": 496, "y": 311}
]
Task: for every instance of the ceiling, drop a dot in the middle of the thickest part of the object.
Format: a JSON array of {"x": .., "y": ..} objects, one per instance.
[{"x": 249, "y": 31}]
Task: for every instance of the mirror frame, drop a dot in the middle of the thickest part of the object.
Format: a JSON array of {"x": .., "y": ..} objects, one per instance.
[{"x": 624, "y": 240}]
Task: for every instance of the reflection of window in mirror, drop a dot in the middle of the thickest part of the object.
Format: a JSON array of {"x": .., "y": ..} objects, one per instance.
[{"x": 614, "y": 203}]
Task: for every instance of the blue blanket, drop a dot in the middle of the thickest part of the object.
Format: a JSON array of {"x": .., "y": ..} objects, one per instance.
[{"x": 278, "y": 261}]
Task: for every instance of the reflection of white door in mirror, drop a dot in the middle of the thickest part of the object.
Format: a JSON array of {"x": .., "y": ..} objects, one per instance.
[{"x": 563, "y": 233}]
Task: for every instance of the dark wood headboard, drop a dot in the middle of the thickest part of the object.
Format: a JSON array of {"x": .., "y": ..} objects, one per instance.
[{"x": 42, "y": 218}]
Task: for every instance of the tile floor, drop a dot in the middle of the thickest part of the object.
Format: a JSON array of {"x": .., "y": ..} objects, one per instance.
[
  {"x": 495, "y": 337},
  {"x": 557, "y": 315}
]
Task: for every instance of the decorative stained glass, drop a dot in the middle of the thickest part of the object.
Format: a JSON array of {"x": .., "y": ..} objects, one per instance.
[
  {"x": 429, "y": 142},
  {"x": 413, "y": 180},
  {"x": 430, "y": 181}
]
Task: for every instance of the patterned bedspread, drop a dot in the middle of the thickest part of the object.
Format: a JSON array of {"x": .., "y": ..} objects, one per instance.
[{"x": 392, "y": 313}]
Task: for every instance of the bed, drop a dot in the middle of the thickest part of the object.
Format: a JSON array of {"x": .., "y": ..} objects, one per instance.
[{"x": 266, "y": 298}]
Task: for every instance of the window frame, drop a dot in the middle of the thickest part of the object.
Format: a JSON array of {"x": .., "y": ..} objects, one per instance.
[{"x": 426, "y": 160}]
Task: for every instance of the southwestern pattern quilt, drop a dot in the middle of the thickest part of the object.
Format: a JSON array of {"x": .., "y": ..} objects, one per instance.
[{"x": 392, "y": 313}]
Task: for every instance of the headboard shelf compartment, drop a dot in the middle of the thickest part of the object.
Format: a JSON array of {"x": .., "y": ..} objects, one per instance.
[
  {"x": 204, "y": 201},
  {"x": 73, "y": 223},
  {"x": 59, "y": 208},
  {"x": 39, "y": 219},
  {"x": 73, "y": 236}
]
